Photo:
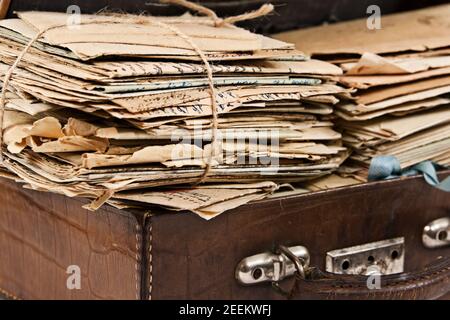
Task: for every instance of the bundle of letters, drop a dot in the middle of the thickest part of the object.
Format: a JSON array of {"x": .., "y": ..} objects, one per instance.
[
  {"x": 401, "y": 73},
  {"x": 118, "y": 109}
]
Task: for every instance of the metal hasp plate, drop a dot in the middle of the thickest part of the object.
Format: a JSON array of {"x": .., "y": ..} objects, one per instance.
[
  {"x": 436, "y": 234},
  {"x": 382, "y": 257},
  {"x": 269, "y": 267}
]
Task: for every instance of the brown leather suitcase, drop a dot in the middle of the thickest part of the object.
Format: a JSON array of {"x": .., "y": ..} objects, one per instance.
[{"x": 122, "y": 255}]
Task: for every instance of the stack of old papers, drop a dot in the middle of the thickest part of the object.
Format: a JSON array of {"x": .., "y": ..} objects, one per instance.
[
  {"x": 118, "y": 109},
  {"x": 401, "y": 74}
]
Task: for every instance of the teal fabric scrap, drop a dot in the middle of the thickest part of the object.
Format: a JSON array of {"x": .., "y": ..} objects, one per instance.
[{"x": 388, "y": 167}]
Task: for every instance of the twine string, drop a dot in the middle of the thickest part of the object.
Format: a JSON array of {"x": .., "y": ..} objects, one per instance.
[
  {"x": 264, "y": 10},
  {"x": 7, "y": 79},
  {"x": 194, "y": 7}
]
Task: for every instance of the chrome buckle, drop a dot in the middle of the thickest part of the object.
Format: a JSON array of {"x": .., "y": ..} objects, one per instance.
[
  {"x": 273, "y": 267},
  {"x": 436, "y": 234}
]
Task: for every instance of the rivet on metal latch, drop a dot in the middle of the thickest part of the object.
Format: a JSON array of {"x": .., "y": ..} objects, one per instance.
[
  {"x": 269, "y": 267},
  {"x": 436, "y": 234}
]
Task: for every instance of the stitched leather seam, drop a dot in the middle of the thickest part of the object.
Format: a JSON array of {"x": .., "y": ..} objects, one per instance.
[
  {"x": 150, "y": 262},
  {"x": 9, "y": 295},
  {"x": 137, "y": 262}
]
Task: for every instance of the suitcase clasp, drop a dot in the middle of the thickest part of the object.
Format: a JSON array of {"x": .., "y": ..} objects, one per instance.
[
  {"x": 381, "y": 257},
  {"x": 271, "y": 267},
  {"x": 436, "y": 234}
]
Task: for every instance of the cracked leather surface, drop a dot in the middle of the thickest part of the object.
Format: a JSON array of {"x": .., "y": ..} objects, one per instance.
[
  {"x": 41, "y": 234},
  {"x": 196, "y": 259},
  {"x": 189, "y": 258}
]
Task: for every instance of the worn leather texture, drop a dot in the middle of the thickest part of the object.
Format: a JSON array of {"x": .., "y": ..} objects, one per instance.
[
  {"x": 42, "y": 234},
  {"x": 196, "y": 259},
  {"x": 432, "y": 282},
  {"x": 180, "y": 256}
]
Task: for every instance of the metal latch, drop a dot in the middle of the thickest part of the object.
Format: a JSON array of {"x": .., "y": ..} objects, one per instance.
[
  {"x": 270, "y": 267},
  {"x": 436, "y": 234},
  {"x": 382, "y": 257}
]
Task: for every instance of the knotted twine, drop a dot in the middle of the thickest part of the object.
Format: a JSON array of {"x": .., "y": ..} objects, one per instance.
[{"x": 218, "y": 22}]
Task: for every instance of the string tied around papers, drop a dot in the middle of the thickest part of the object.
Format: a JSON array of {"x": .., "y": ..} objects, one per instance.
[
  {"x": 264, "y": 10},
  {"x": 388, "y": 167},
  {"x": 218, "y": 22}
]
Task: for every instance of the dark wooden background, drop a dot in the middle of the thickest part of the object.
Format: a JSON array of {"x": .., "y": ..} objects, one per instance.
[{"x": 289, "y": 13}]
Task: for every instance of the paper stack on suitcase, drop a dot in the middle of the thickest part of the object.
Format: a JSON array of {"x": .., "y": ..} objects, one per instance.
[
  {"x": 401, "y": 74},
  {"x": 103, "y": 110}
]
